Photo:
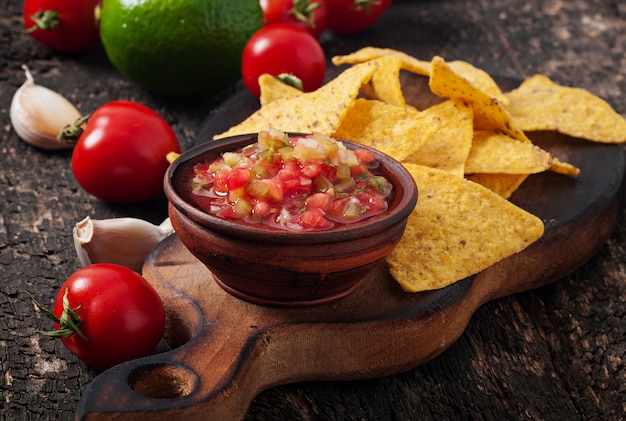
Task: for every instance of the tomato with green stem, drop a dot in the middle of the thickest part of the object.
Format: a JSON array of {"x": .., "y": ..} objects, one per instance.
[
  {"x": 310, "y": 15},
  {"x": 107, "y": 314},
  {"x": 121, "y": 152},
  {"x": 283, "y": 50},
  {"x": 68, "y": 26}
]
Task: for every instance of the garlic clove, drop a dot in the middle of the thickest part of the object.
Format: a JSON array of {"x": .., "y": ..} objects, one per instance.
[
  {"x": 123, "y": 241},
  {"x": 38, "y": 114}
]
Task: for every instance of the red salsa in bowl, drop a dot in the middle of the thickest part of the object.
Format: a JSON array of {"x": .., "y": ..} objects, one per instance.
[
  {"x": 292, "y": 182},
  {"x": 256, "y": 211}
]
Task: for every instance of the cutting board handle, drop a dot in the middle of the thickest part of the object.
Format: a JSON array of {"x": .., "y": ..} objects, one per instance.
[{"x": 194, "y": 378}]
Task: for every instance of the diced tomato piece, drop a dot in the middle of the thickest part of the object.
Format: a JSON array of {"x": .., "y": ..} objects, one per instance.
[
  {"x": 311, "y": 169},
  {"x": 329, "y": 172},
  {"x": 292, "y": 184},
  {"x": 336, "y": 207},
  {"x": 290, "y": 177},
  {"x": 357, "y": 170},
  {"x": 319, "y": 201},
  {"x": 219, "y": 184},
  {"x": 261, "y": 209},
  {"x": 364, "y": 156},
  {"x": 314, "y": 219},
  {"x": 290, "y": 170},
  {"x": 298, "y": 192},
  {"x": 375, "y": 204},
  {"x": 238, "y": 177}
]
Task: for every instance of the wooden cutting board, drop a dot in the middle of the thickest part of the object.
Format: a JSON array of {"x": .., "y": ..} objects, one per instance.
[{"x": 224, "y": 351}]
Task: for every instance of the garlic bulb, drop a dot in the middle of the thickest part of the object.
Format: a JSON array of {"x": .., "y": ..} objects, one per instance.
[
  {"x": 123, "y": 241},
  {"x": 38, "y": 114}
]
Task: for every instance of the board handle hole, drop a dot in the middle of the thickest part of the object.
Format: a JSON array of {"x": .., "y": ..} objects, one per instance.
[{"x": 163, "y": 381}]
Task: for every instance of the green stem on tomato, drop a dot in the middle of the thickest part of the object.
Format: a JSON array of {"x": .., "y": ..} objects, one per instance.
[
  {"x": 68, "y": 322},
  {"x": 72, "y": 132},
  {"x": 365, "y": 5},
  {"x": 291, "y": 80},
  {"x": 303, "y": 11},
  {"x": 47, "y": 20}
]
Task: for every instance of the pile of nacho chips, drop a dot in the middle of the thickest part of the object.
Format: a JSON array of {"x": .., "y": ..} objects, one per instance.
[{"x": 468, "y": 153}]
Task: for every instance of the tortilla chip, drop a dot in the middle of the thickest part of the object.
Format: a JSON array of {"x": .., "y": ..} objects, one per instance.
[
  {"x": 563, "y": 167},
  {"x": 489, "y": 113},
  {"x": 504, "y": 185},
  {"x": 272, "y": 88},
  {"x": 541, "y": 104},
  {"x": 457, "y": 229},
  {"x": 493, "y": 152},
  {"x": 385, "y": 83},
  {"x": 319, "y": 111},
  {"x": 396, "y": 131},
  {"x": 409, "y": 63},
  {"x": 447, "y": 149},
  {"x": 478, "y": 77}
]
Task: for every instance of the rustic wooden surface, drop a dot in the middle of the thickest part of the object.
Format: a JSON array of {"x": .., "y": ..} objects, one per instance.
[{"x": 554, "y": 353}]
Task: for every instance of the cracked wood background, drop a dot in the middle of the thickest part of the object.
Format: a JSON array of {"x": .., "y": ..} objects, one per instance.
[{"x": 555, "y": 353}]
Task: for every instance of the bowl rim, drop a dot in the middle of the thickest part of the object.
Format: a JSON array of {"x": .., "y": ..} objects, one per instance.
[{"x": 403, "y": 205}]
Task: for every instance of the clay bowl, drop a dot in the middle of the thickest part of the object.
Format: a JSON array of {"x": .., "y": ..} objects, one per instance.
[{"x": 284, "y": 268}]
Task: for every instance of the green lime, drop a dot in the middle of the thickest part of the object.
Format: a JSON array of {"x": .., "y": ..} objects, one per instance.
[{"x": 179, "y": 47}]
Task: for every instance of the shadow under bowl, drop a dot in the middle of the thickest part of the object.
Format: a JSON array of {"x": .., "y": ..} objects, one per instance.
[{"x": 275, "y": 267}]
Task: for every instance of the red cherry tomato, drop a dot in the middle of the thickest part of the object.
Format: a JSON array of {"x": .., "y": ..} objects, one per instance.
[
  {"x": 121, "y": 155},
  {"x": 307, "y": 14},
  {"x": 351, "y": 16},
  {"x": 69, "y": 26},
  {"x": 118, "y": 312},
  {"x": 281, "y": 48}
]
